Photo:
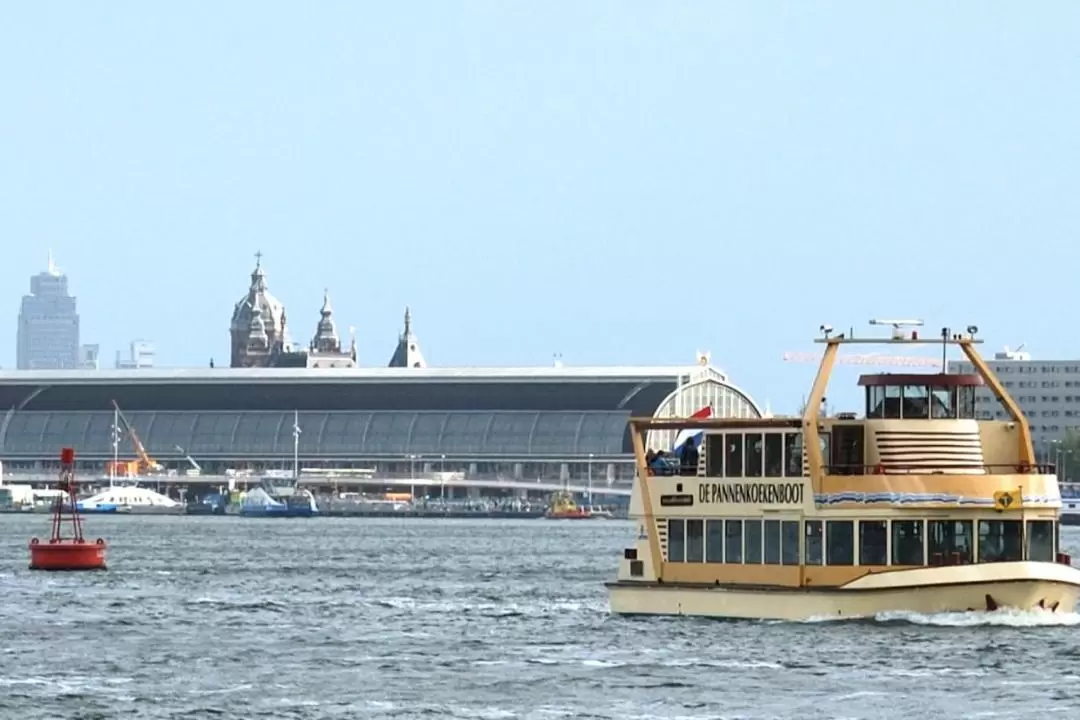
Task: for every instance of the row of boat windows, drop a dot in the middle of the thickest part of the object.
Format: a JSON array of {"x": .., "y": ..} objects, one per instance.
[
  {"x": 920, "y": 401},
  {"x": 861, "y": 542},
  {"x": 754, "y": 454}
]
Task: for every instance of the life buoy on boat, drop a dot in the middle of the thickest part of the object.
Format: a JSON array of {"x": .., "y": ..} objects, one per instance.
[
  {"x": 34, "y": 541},
  {"x": 100, "y": 541}
]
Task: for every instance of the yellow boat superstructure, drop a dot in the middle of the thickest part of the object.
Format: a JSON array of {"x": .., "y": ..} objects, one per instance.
[{"x": 917, "y": 506}]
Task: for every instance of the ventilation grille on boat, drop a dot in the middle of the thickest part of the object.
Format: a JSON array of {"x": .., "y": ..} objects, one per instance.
[{"x": 947, "y": 451}]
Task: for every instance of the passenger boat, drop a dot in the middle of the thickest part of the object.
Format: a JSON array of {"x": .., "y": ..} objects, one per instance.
[{"x": 915, "y": 506}]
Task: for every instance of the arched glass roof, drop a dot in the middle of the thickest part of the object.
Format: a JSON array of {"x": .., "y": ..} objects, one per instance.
[
  {"x": 708, "y": 390},
  {"x": 353, "y": 434}
]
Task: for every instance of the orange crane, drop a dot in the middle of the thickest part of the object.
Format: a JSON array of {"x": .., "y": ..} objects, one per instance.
[
  {"x": 867, "y": 359},
  {"x": 147, "y": 464}
]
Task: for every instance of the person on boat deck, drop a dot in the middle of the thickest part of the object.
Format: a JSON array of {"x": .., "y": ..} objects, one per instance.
[
  {"x": 660, "y": 464},
  {"x": 649, "y": 457},
  {"x": 688, "y": 458}
]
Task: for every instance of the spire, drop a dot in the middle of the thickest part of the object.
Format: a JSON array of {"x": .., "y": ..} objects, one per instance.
[
  {"x": 326, "y": 338},
  {"x": 52, "y": 269},
  {"x": 407, "y": 354},
  {"x": 258, "y": 275}
]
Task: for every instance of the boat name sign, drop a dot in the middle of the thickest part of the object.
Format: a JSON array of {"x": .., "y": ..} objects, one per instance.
[{"x": 751, "y": 493}]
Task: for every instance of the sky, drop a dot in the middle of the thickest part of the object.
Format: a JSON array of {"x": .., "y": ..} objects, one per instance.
[{"x": 617, "y": 182}]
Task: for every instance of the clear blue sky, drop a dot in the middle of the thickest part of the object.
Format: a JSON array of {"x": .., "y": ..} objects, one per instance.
[{"x": 621, "y": 182}]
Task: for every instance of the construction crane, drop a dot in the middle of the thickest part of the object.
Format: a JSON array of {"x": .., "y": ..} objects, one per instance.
[
  {"x": 149, "y": 464},
  {"x": 867, "y": 359}
]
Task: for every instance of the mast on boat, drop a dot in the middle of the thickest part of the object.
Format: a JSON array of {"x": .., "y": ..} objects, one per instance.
[
  {"x": 115, "y": 445},
  {"x": 296, "y": 447}
]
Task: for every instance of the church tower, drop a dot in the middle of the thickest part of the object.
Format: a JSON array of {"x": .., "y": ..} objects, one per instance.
[
  {"x": 407, "y": 354},
  {"x": 325, "y": 351},
  {"x": 258, "y": 329}
]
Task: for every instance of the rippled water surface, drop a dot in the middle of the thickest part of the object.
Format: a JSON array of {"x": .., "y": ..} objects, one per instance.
[{"x": 329, "y": 618}]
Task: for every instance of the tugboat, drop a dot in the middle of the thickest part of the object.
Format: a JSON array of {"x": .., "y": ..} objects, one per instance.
[
  {"x": 918, "y": 506},
  {"x": 563, "y": 507}
]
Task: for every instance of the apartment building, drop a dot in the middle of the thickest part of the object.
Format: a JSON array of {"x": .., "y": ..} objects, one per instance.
[{"x": 1048, "y": 391}]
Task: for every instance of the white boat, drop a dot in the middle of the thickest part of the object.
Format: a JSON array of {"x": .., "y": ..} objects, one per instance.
[{"x": 132, "y": 500}]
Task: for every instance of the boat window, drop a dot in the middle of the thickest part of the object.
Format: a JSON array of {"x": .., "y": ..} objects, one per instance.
[
  {"x": 943, "y": 402},
  {"x": 789, "y": 542},
  {"x": 907, "y": 542},
  {"x": 714, "y": 455},
  {"x": 714, "y": 541},
  {"x": 875, "y": 401},
  {"x": 840, "y": 542},
  {"x": 733, "y": 457},
  {"x": 949, "y": 542},
  {"x": 772, "y": 542},
  {"x": 848, "y": 455},
  {"x": 752, "y": 549},
  {"x": 872, "y": 537},
  {"x": 793, "y": 454},
  {"x": 825, "y": 443},
  {"x": 1000, "y": 541},
  {"x": 813, "y": 542},
  {"x": 1040, "y": 540},
  {"x": 965, "y": 402},
  {"x": 892, "y": 402},
  {"x": 676, "y": 540},
  {"x": 916, "y": 402},
  {"x": 695, "y": 541},
  {"x": 733, "y": 541},
  {"x": 753, "y": 454},
  {"x": 774, "y": 455}
]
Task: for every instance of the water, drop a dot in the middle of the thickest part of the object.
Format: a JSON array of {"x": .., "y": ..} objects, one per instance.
[{"x": 341, "y": 618}]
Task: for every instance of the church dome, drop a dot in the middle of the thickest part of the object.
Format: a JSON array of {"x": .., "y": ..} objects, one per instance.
[{"x": 270, "y": 309}]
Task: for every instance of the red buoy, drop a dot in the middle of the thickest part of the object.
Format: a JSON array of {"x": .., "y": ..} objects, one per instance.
[{"x": 73, "y": 553}]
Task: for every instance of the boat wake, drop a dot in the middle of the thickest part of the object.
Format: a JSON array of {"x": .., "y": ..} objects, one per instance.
[{"x": 1005, "y": 617}]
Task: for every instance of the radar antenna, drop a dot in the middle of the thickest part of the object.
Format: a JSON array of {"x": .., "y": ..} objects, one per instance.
[{"x": 898, "y": 326}]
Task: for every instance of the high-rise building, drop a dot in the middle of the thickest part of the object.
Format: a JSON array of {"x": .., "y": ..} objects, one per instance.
[
  {"x": 141, "y": 355},
  {"x": 48, "y": 336}
]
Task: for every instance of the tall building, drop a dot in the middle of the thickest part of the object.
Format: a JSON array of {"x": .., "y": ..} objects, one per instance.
[
  {"x": 1048, "y": 392},
  {"x": 48, "y": 335},
  {"x": 140, "y": 355}
]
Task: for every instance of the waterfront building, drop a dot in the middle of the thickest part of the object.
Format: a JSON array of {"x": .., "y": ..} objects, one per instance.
[
  {"x": 48, "y": 334},
  {"x": 140, "y": 355},
  {"x": 535, "y": 423},
  {"x": 89, "y": 357}
]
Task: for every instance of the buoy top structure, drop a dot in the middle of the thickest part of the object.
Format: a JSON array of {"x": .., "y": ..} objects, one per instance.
[{"x": 67, "y": 553}]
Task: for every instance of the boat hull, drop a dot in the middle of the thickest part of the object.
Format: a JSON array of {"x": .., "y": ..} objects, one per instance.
[
  {"x": 568, "y": 516},
  {"x": 1020, "y": 585},
  {"x": 290, "y": 512}
]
